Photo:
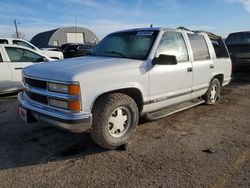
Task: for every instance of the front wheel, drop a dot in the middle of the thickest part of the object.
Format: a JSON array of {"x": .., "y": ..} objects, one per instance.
[
  {"x": 115, "y": 117},
  {"x": 213, "y": 92}
]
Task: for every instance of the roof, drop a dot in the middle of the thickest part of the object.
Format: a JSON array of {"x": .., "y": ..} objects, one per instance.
[{"x": 145, "y": 29}]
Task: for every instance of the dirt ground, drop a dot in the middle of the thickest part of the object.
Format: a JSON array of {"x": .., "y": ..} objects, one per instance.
[{"x": 206, "y": 146}]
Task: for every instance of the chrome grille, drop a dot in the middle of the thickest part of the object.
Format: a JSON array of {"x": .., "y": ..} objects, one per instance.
[
  {"x": 37, "y": 97},
  {"x": 36, "y": 83}
]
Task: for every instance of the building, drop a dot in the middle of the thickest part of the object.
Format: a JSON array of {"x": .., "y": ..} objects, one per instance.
[{"x": 64, "y": 35}]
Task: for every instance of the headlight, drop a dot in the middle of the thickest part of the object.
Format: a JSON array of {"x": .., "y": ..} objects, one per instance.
[{"x": 72, "y": 89}]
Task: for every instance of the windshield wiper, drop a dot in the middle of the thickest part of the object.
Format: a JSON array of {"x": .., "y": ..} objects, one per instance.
[{"x": 118, "y": 53}]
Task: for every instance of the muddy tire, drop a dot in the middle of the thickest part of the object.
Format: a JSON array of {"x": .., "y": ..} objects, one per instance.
[
  {"x": 213, "y": 92},
  {"x": 115, "y": 117}
]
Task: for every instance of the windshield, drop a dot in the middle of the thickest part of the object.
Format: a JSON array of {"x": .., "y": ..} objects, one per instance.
[
  {"x": 132, "y": 44},
  {"x": 238, "y": 38}
]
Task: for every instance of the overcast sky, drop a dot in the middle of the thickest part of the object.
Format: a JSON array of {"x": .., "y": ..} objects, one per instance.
[{"x": 104, "y": 16}]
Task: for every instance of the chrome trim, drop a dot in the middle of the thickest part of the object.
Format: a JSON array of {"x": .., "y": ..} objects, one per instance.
[
  {"x": 174, "y": 96},
  {"x": 48, "y": 106},
  {"x": 167, "y": 97},
  {"x": 49, "y": 80},
  {"x": 201, "y": 88},
  {"x": 179, "y": 94},
  {"x": 47, "y": 110},
  {"x": 51, "y": 94}
]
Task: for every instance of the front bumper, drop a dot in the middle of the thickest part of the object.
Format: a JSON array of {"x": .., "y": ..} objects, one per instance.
[{"x": 73, "y": 122}]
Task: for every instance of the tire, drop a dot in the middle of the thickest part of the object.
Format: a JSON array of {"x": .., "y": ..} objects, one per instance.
[
  {"x": 213, "y": 93},
  {"x": 115, "y": 117}
]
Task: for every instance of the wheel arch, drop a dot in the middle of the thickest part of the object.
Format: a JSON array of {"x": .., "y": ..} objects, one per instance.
[
  {"x": 133, "y": 92},
  {"x": 220, "y": 77}
]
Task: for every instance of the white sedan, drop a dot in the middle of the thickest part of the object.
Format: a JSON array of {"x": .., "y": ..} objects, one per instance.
[
  {"x": 12, "y": 60},
  {"x": 20, "y": 42}
]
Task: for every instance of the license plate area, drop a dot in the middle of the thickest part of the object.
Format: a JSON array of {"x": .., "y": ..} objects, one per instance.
[
  {"x": 23, "y": 113},
  {"x": 26, "y": 115}
]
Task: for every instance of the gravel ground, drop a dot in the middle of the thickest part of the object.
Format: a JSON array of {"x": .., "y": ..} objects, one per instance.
[{"x": 205, "y": 146}]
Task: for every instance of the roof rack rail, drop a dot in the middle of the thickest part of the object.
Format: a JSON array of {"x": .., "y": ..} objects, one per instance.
[
  {"x": 183, "y": 28},
  {"x": 210, "y": 34}
]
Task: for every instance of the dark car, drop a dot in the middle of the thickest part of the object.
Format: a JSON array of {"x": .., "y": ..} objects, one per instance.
[
  {"x": 76, "y": 50},
  {"x": 239, "y": 47}
]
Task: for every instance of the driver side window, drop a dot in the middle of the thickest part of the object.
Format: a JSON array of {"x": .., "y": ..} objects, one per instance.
[
  {"x": 172, "y": 43},
  {"x": 22, "y": 55}
]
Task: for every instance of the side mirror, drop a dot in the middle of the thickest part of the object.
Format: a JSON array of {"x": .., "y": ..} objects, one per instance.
[{"x": 165, "y": 60}]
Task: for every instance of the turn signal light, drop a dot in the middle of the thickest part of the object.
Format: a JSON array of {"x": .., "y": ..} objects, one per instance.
[
  {"x": 74, "y": 89},
  {"x": 74, "y": 105}
]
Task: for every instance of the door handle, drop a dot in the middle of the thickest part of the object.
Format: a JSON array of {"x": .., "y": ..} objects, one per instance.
[
  {"x": 18, "y": 68},
  {"x": 189, "y": 69},
  {"x": 211, "y": 66}
]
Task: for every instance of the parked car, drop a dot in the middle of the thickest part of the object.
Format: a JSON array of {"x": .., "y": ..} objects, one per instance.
[
  {"x": 239, "y": 47},
  {"x": 150, "y": 72},
  {"x": 21, "y": 42},
  {"x": 75, "y": 50},
  {"x": 12, "y": 60}
]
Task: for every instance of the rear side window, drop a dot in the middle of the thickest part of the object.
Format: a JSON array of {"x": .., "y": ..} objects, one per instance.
[
  {"x": 3, "y": 41},
  {"x": 199, "y": 47},
  {"x": 219, "y": 47},
  {"x": 238, "y": 38}
]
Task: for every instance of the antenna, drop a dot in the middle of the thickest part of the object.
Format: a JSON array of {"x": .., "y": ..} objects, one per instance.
[{"x": 75, "y": 29}]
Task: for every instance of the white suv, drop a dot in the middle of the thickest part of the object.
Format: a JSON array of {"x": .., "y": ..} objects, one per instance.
[
  {"x": 21, "y": 42},
  {"x": 150, "y": 72}
]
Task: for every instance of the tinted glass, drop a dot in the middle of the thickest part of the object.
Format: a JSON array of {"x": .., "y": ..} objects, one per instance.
[
  {"x": 172, "y": 43},
  {"x": 219, "y": 47},
  {"x": 199, "y": 47},
  {"x": 22, "y": 55},
  {"x": 21, "y": 43},
  {"x": 3, "y": 41},
  {"x": 132, "y": 44},
  {"x": 238, "y": 38}
]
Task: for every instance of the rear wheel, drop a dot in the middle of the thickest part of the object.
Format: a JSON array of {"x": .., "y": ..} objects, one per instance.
[
  {"x": 115, "y": 117},
  {"x": 213, "y": 92}
]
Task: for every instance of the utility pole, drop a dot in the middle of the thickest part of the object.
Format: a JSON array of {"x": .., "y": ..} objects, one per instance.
[
  {"x": 75, "y": 29},
  {"x": 17, "y": 34}
]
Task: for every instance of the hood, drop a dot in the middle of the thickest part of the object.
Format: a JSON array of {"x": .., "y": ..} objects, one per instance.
[{"x": 70, "y": 69}]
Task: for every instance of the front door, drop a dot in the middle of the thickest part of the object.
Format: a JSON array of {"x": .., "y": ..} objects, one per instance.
[
  {"x": 5, "y": 75},
  {"x": 171, "y": 84}
]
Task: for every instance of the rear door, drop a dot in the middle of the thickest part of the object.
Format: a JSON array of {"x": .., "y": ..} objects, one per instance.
[
  {"x": 5, "y": 74},
  {"x": 18, "y": 58},
  {"x": 202, "y": 64}
]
